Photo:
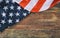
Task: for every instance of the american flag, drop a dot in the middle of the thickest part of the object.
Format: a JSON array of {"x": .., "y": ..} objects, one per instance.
[
  {"x": 36, "y": 5},
  {"x": 13, "y": 11},
  {"x": 10, "y": 13}
]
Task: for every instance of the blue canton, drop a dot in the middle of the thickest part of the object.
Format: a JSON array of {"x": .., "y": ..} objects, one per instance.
[{"x": 10, "y": 13}]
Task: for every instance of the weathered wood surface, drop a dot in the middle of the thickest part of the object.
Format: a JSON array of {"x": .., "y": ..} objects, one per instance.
[{"x": 37, "y": 25}]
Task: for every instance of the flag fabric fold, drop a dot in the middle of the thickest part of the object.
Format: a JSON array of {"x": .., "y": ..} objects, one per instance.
[
  {"x": 37, "y": 5},
  {"x": 10, "y": 14}
]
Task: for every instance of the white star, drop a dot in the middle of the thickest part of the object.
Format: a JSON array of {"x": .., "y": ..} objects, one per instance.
[
  {"x": 11, "y": 14},
  {"x": 17, "y": 14},
  {"x": 4, "y": 14},
  {"x": 24, "y": 14},
  {"x": 10, "y": 21},
  {"x": 7, "y": 1},
  {"x": 17, "y": 20},
  {"x": 13, "y": 1},
  {"x": 2, "y": 21},
  {"x": 5, "y": 8},
  {"x": 1, "y": 0},
  {"x": 12, "y": 7},
  {"x": 18, "y": 7}
]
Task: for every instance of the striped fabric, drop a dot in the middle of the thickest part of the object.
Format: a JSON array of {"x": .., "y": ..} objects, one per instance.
[{"x": 36, "y": 5}]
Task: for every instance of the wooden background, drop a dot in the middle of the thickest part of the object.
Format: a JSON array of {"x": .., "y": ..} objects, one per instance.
[{"x": 37, "y": 25}]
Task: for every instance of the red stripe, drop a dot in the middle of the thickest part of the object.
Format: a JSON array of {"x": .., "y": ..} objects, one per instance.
[
  {"x": 54, "y": 3},
  {"x": 38, "y": 6},
  {"x": 24, "y": 3}
]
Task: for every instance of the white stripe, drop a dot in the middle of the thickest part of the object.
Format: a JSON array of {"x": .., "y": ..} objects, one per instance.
[
  {"x": 31, "y": 4},
  {"x": 17, "y": 1},
  {"x": 46, "y": 5}
]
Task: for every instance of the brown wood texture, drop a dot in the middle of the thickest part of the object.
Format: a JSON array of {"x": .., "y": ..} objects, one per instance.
[{"x": 37, "y": 25}]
